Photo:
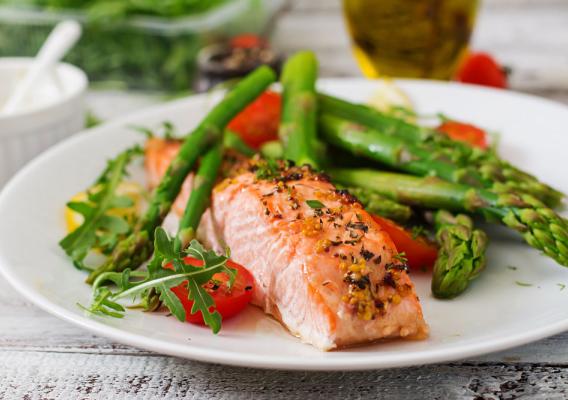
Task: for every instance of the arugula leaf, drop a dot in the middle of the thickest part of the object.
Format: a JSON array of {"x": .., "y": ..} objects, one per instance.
[
  {"x": 168, "y": 131},
  {"x": 99, "y": 229},
  {"x": 171, "y": 301},
  {"x": 124, "y": 280},
  {"x": 163, "y": 245},
  {"x": 202, "y": 301},
  {"x": 149, "y": 133},
  {"x": 162, "y": 280},
  {"x": 103, "y": 305}
]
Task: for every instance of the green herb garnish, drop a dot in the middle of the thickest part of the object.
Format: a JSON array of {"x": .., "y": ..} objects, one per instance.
[
  {"x": 417, "y": 231},
  {"x": 561, "y": 286},
  {"x": 401, "y": 257},
  {"x": 315, "y": 204},
  {"x": 524, "y": 284},
  {"x": 267, "y": 169}
]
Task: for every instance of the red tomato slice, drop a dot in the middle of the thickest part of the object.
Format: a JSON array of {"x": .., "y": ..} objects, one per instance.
[
  {"x": 258, "y": 122},
  {"x": 482, "y": 69},
  {"x": 419, "y": 252},
  {"x": 463, "y": 132},
  {"x": 227, "y": 302}
]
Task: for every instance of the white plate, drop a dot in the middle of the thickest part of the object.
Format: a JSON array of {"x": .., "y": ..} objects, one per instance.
[{"x": 495, "y": 314}]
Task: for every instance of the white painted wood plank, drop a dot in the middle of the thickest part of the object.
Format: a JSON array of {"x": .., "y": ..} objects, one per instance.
[{"x": 72, "y": 376}]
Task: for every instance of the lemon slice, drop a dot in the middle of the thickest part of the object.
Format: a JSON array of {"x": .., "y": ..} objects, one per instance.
[
  {"x": 132, "y": 190},
  {"x": 391, "y": 99}
]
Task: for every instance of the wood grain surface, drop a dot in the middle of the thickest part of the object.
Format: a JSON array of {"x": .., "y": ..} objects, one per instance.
[{"x": 42, "y": 357}]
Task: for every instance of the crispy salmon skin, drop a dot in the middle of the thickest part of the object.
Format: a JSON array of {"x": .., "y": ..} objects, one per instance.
[{"x": 321, "y": 265}]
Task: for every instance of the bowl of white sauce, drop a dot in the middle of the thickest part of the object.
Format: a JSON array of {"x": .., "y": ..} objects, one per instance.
[{"x": 53, "y": 110}]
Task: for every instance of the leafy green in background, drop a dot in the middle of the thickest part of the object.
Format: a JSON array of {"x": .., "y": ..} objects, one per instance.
[
  {"x": 117, "y": 51},
  {"x": 118, "y": 9}
]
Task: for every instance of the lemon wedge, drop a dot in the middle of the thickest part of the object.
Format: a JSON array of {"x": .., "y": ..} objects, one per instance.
[{"x": 132, "y": 190}]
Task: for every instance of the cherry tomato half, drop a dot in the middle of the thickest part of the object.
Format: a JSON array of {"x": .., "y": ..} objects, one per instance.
[
  {"x": 463, "y": 132},
  {"x": 227, "y": 302},
  {"x": 419, "y": 252},
  {"x": 482, "y": 69},
  {"x": 258, "y": 122}
]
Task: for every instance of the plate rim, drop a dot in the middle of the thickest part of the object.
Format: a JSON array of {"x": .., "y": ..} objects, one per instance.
[{"x": 190, "y": 351}]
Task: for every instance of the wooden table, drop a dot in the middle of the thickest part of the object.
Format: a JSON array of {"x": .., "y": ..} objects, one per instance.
[{"x": 42, "y": 357}]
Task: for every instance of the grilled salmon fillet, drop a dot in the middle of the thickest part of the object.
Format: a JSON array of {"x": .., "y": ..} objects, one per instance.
[{"x": 321, "y": 265}]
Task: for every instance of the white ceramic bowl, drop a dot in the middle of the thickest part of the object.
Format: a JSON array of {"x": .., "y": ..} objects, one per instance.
[{"x": 53, "y": 111}]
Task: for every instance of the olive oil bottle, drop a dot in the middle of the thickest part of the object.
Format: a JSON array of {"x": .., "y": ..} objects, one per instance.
[{"x": 410, "y": 38}]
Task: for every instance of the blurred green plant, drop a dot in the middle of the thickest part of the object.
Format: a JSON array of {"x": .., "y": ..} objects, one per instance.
[
  {"x": 117, "y": 9},
  {"x": 127, "y": 57},
  {"x": 114, "y": 51}
]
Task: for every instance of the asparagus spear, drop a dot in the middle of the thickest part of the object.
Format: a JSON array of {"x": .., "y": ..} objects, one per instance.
[
  {"x": 199, "y": 197},
  {"x": 461, "y": 254},
  {"x": 137, "y": 248},
  {"x": 496, "y": 174},
  {"x": 392, "y": 151},
  {"x": 370, "y": 117},
  {"x": 380, "y": 205},
  {"x": 298, "y": 122},
  {"x": 196, "y": 205},
  {"x": 539, "y": 225}
]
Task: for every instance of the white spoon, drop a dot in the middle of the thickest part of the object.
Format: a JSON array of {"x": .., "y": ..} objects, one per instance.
[{"x": 60, "y": 40}]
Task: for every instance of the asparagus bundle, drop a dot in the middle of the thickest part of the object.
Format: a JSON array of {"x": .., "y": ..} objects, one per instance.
[
  {"x": 137, "y": 248},
  {"x": 461, "y": 254},
  {"x": 539, "y": 225},
  {"x": 298, "y": 122},
  {"x": 420, "y": 144},
  {"x": 299, "y": 148}
]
